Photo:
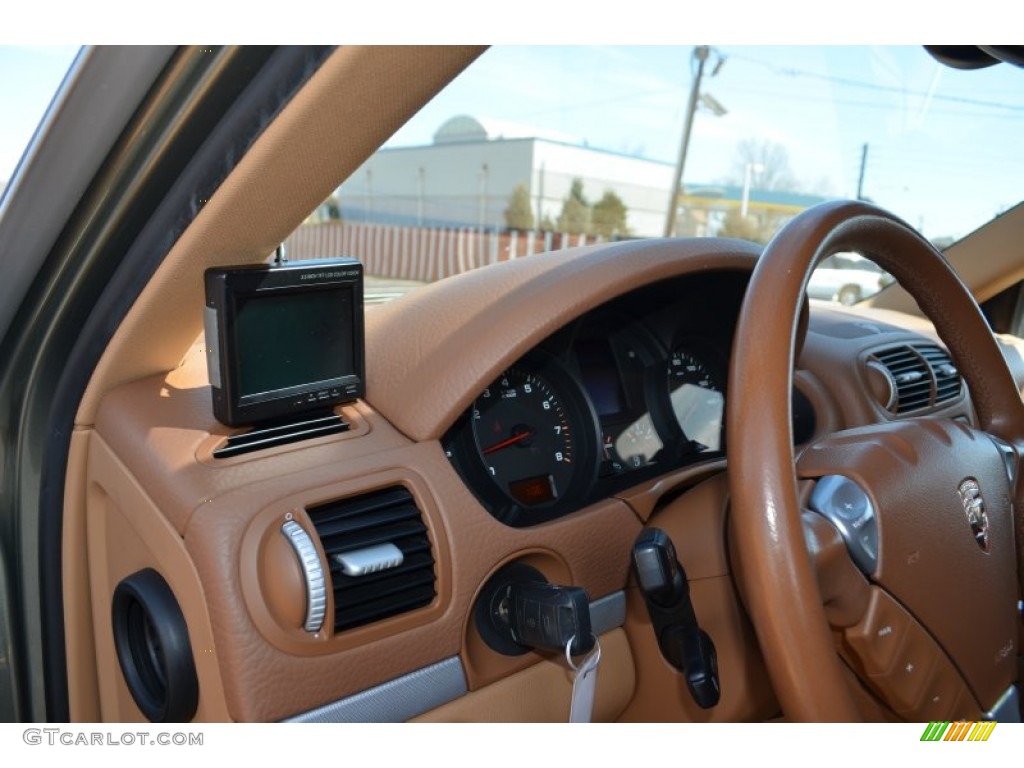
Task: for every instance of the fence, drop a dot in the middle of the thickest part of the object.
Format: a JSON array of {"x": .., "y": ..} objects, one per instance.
[{"x": 414, "y": 253}]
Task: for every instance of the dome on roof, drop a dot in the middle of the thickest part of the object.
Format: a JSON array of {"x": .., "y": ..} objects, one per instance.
[{"x": 460, "y": 128}]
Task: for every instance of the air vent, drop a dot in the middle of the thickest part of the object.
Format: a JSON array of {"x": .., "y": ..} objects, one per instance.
[
  {"x": 948, "y": 384},
  {"x": 923, "y": 375},
  {"x": 351, "y": 527},
  {"x": 280, "y": 434}
]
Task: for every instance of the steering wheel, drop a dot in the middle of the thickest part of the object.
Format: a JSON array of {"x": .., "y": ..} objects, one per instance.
[{"x": 924, "y": 613}]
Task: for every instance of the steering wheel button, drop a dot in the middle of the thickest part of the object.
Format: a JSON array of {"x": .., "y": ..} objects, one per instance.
[
  {"x": 878, "y": 638},
  {"x": 945, "y": 697},
  {"x": 912, "y": 675},
  {"x": 848, "y": 507}
]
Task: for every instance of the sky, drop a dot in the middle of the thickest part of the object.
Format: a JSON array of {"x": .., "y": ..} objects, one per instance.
[
  {"x": 29, "y": 77},
  {"x": 942, "y": 148}
]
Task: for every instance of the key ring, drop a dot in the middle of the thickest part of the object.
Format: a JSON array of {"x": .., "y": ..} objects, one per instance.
[{"x": 589, "y": 659}]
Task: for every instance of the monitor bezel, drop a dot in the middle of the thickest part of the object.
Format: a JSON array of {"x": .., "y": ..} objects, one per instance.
[{"x": 227, "y": 288}]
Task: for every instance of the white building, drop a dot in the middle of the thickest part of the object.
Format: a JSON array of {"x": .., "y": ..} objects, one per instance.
[{"x": 466, "y": 179}]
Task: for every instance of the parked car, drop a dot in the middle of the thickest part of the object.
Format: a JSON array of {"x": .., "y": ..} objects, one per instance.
[
  {"x": 757, "y": 507},
  {"x": 845, "y": 278}
]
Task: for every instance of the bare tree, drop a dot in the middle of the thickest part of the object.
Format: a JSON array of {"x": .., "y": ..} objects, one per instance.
[{"x": 771, "y": 161}]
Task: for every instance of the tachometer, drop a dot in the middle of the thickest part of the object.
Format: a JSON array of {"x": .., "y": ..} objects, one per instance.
[
  {"x": 527, "y": 447},
  {"x": 525, "y": 437}
]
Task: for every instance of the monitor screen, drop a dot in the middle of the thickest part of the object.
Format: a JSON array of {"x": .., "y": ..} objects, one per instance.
[{"x": 293, "y": 339}]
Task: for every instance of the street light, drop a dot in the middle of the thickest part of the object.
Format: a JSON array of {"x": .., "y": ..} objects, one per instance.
[
  {"x": 713, "y": 105},
  {"x": 701, "y": 53},
  {"x": 748, "y": 173}
]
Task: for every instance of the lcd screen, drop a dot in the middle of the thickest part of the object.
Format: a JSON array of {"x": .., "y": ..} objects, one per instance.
[
  {"x": 533, "y": 490},
  {"x": 293, "y": 339},
  {"x": 601, "y": 377}
]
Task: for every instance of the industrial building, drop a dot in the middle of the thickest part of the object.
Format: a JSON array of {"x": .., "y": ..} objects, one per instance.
[{"x": 467, "y": 176}]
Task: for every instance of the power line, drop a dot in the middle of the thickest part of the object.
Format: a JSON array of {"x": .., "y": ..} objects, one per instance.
[
  {"x": 865, "y": 104},
  {"x": 795, "y": 72}
]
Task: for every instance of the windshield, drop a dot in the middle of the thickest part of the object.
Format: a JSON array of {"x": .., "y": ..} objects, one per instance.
[{"x": 533, "y": 149}]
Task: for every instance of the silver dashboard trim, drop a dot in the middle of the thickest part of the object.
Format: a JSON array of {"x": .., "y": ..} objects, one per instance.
[
  {"x": 397, "y": 700},
  {"x": 608, "y": 613},
  {"x": 425, "y": 689},
  {"x": 313, "y": 572}
]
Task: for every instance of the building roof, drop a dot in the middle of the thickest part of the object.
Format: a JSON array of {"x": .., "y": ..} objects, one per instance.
[{"x": 774, "y": 198}]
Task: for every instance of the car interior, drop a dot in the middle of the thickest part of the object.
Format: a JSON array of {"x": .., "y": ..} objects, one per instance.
[{"x": 653, "y": 457}]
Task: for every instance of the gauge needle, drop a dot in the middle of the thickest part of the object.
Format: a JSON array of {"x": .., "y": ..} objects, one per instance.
[{"x": 505, "y": 443}]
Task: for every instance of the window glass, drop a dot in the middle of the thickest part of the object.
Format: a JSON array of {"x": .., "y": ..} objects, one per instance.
[{"x": 534, "y": 149}]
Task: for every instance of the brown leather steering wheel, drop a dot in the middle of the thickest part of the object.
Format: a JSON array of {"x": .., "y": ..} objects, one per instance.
[{"x": 933, "y": 630}]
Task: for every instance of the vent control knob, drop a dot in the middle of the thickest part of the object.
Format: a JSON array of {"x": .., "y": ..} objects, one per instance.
[{"x": 316, "y": 583}]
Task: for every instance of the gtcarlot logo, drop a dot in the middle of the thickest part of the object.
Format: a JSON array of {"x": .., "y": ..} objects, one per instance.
[
  {"x": 959, "y": 731},
  {"x": 65, "y": 737}
]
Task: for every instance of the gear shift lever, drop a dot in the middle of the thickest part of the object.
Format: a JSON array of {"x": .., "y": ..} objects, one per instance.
[{"x": 683, "y": 643}]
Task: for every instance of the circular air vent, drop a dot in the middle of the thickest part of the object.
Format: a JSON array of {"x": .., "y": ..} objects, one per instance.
[{"x": 153, "y": 648}]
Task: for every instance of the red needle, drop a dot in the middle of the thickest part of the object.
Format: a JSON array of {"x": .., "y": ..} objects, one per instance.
[{"x": 506, "y": 443}]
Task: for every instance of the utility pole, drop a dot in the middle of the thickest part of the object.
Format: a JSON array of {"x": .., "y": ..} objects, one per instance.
[
  {"x": 420, "y": 174},
  {"x": 863, "y": 165},
  {"x": 700, "y": 53},
  {"x": 540, "y": 198},
  {"x": 484, "y": 170}
]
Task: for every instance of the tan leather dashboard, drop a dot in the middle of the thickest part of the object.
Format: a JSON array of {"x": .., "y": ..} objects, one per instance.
[
  {"x": 473, "y": 329},
  {"x": 210, "y": 525}
]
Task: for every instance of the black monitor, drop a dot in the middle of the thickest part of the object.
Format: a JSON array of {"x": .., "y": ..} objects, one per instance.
[{"x": 284, "y": 339}]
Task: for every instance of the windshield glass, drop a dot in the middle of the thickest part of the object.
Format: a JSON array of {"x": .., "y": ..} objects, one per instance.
[{"x": 533, "y": 149}]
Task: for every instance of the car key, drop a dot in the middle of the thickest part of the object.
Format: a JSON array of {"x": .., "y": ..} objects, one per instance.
[{"x": 550, "y": 617}]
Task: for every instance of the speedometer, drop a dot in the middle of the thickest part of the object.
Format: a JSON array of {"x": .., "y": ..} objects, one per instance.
[
  {"x": 697, "y": 398},
  {"x": 524, "y": 437}
]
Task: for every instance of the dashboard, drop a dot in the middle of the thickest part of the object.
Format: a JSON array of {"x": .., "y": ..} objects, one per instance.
[
  {"x": 628, "y": 391},
  {"x": 538, "y": 413}
]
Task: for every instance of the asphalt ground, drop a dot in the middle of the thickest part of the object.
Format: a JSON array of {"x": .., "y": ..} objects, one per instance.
[{"x": 377, "y": 290}]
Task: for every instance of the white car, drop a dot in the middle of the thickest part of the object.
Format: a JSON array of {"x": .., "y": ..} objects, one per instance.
[{"x": 846, "y": 278}]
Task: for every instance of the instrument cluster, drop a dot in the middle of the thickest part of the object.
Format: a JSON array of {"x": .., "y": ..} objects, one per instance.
[{"x": 629, "y": 391}]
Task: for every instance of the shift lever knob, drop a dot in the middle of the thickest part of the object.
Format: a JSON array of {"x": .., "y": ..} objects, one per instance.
[{"x": 657, "y": 568}]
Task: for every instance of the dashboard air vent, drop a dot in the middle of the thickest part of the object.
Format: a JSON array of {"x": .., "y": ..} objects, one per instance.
[
  {"x": 923, "y": 377},
  {"x": 948, "y": 384},
  {"x": 379, "y": 555}
]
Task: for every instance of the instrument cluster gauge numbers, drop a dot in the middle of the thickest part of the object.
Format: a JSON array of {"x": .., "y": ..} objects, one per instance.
[
  {"x": 528, "y": 445},
  {"x": 611, "y": 464},
  {"x": 524, "y": 437},
  {"x": 697, "y": 395},
  {"x": 639, "y": 442}
]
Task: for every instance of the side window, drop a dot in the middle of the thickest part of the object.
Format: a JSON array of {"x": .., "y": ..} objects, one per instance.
[{"x": 1005, "y": 310}]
